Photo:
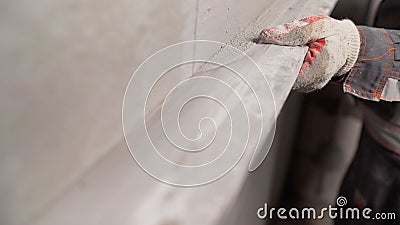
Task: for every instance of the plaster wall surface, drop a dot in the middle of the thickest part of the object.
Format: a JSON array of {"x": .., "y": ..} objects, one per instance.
[{"x": 64, "y": 68}]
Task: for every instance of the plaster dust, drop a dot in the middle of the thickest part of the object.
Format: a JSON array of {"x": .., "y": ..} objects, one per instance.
[
  {"x": 281, "y": 12},
  {"x": 277, "y": 13}
]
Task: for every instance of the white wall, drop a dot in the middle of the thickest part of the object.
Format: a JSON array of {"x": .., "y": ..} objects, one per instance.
[{"x": 64, "y": 67}]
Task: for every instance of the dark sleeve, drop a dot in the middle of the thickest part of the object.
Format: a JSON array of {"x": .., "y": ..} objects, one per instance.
[{"x": 376, "y": 74}]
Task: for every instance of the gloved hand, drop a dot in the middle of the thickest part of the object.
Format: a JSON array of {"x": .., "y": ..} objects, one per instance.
[{"x": 333, "y": 48}]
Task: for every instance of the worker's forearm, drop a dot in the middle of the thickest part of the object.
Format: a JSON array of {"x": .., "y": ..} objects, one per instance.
[{"x": 376, "y": 73}]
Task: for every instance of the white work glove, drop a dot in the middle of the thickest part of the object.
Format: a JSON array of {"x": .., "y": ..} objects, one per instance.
[{"x": 333, "y": 48}]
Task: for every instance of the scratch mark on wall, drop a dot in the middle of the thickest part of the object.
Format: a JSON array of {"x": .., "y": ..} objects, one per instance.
[
  {"x": 196, "y": 21},
  {"x": 227, "y": 22}
]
